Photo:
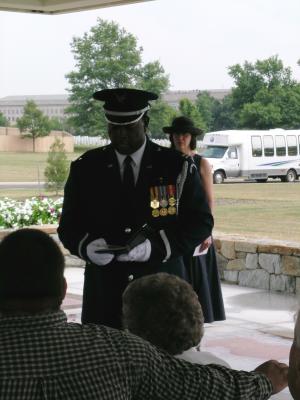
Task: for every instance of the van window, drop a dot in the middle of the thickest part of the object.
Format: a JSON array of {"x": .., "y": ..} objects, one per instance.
[
  {"x": 280, "y": 145},
  {"x": 214, "y": 152},
  {"x": 292, "y": 145},
  {"x": 232, "y": 153},
  {"x": 256, "y": 146},
  {"x": 268, "y": 146}
]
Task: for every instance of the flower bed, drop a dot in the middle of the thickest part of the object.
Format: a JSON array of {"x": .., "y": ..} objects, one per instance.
[{"x": 34, "y": 211}]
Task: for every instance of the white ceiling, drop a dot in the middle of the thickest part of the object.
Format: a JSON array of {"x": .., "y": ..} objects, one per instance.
[{"x": 59, "y": 6}]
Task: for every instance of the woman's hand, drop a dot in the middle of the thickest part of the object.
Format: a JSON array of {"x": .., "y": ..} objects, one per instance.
[{"x": 205, "y": 244}]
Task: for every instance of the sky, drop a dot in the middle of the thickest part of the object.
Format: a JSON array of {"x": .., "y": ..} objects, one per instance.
[{"x": 194, "y": 40}]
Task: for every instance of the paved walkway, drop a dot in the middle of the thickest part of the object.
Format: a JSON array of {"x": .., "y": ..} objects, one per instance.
[{"x": 259, "y": 324}]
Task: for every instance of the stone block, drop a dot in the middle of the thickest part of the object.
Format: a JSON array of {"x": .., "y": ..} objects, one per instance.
[
  {"x": 296, "y": 251},
  {"x": 227, "y": 249},
  {"x": 218, "y": 244},
  {"x": 236, "y": 265},
  {"x": 241, "y": 254},
  {"x": 283, "y": 283},
  {"x": 231, "y": 276},
  {"x": 270, "y": 262},
  {"x": 252, "y": 261},
  {"x": 246, "y": 247},
  {"x": 291, "y": 265},
  {"x": 297, "y": 285},
  {"x": 257, "y": 278},
  {"x": 274, "y": 249}
]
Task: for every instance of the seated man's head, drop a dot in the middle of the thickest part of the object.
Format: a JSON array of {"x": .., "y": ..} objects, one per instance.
[
  {"x": 31, "y": 273},
  {"x": 164, "y": 310}
]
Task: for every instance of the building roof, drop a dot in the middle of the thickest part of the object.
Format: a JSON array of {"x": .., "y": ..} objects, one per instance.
[
  {"x": 171, "y": 97},
  {"x": 39, "y": 99}
]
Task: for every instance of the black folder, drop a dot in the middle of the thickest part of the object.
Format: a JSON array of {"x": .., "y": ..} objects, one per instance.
[{"x": 136, "y": 238}]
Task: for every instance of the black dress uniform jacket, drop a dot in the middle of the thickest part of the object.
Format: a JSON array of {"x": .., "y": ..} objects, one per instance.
[{"x": 94, "y": 207}]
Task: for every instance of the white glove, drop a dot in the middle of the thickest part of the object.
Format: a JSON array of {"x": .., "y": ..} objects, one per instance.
[
  {"x": 140, "y": 253},
  {"x": 98, "y": 258}
]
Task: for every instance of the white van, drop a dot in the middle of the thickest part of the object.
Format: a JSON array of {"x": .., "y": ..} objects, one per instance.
[{"x": 253, "y": 154}]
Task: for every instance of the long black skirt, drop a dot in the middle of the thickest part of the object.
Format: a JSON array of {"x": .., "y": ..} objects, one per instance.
[{"x": 204, "y": 277}]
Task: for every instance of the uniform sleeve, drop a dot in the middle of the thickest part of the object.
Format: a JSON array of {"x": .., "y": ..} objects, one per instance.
[
  {"x": 155, "y": 375},
  {"x": 72, "y": 229},
  {"x": 194, "y": 219}
]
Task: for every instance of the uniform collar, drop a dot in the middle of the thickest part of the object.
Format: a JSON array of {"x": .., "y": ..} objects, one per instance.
[{"x": 136, "y": 156}]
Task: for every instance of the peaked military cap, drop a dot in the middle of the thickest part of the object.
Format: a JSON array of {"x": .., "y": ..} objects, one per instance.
[
  {"x": 123, "y": 106},
  {"x": 182, "y": 125}
]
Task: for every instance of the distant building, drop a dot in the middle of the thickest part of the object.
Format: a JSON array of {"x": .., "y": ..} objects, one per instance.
[
  {"x": 54, "y": 105},
  {"x": 51, "y": 105},
  {"x": 173, "y": 97}
]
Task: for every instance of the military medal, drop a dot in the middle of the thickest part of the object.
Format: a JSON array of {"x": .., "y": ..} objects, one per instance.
[
  {"x": 155, "y": 213},
  {"x": 163, "y": 212},
  {"x": 154, "y": 198},
  {"x": 171, "y": 194},
  {"x": 163, "y": 200},
  {"x": 172, "y": 210}
]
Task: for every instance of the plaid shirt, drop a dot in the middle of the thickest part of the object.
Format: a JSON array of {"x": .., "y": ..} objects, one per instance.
[{"x": 44, "y": 357}]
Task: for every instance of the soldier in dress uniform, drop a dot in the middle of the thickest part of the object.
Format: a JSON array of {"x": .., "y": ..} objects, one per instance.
[{"x": 113, "y": 191}]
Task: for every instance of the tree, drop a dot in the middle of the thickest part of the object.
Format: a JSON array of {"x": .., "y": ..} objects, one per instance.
[
  {"x": 188, "y": 109},
  {"x": 57, "y": 124},
  {"x": 33, "y": 123},
  {"x": 161, "y": 114},
  {"x": 250, "y": 78},
  {"x": 265, "y": 95},
  {"x": 57, "y": 167},
  {"x": 208, "y": 108},
  {"x": 260, "y": 116},
  {"x": 107, "y": 57},
  {"x": 152, "y": 77},
  {"x": 225, "y": 115},
  {"x": 3, "y": 120}
]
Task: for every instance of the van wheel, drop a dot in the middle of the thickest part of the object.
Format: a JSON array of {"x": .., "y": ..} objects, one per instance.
[
  {"x": 219, "y": 177},
  {"x": 261, "y": 180},
  {"x": 291, "y": 176}
]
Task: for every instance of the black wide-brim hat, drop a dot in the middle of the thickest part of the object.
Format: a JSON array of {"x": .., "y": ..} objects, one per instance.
[
  {"x": 124, "y": 106},
  {"x": 182, "y": 125}
]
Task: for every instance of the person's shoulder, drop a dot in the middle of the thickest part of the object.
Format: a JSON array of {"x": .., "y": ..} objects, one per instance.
[
  {"x": 197, "y": 157},
  {"x": 119, "y": 341},
  {"x": 92, "y": 155},
  {"x": 167, "y": 154}
]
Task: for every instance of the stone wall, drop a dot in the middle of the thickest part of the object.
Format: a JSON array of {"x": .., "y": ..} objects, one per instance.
[
  {"x": 259, "y": 263},
  {"x": 12, "y": 141}
]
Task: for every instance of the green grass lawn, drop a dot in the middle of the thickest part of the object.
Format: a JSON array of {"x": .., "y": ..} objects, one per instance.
[
  {"x": 25, "y": 167},
  {"x": 270, "y": 210}
]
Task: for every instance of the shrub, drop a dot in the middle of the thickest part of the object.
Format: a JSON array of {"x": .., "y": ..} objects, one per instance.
[{"x": 34, "y": 211}]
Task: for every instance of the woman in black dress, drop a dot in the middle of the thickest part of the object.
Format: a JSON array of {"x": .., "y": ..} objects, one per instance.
[{"x": 203, "y": 268}]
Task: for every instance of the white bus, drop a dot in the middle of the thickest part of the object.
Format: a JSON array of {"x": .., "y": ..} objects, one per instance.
[{"x": 253, "y": 154}]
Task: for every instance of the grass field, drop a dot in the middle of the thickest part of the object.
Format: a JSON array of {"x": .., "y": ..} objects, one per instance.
[
  {"x": 25, "y": 167},
  {"x": 270, "y": 210}
]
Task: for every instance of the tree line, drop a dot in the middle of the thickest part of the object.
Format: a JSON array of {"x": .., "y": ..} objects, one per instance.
[{"x": 264, "y": 94}]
